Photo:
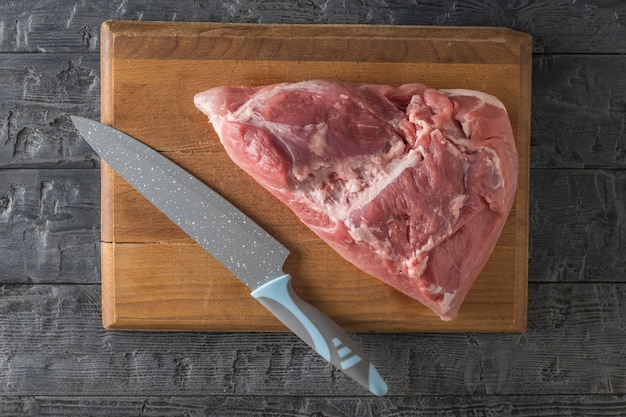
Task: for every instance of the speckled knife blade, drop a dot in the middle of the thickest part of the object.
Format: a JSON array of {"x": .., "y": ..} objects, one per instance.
[{"x": 236, "y": 241}]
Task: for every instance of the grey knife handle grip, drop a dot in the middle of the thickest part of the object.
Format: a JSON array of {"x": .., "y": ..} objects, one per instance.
[{"x": 319, "y": 332}]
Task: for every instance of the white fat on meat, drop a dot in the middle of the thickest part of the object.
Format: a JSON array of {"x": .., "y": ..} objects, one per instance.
[
  {"x": 482, "y": 96},
  {"x": 357, "y": 188}
]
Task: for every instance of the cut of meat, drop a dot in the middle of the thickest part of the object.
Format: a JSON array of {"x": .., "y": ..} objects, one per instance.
[{"x": 410, "y": 184}]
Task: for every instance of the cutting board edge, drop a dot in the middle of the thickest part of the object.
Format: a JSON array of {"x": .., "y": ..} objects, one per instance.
[
  {"x": 112, "y": 26},
  {"x": 171, "y": 325},
  {"x": 523, "y": 196},
  {"x": 182, "y": 39},
  {"x": 109, "y": 318}
]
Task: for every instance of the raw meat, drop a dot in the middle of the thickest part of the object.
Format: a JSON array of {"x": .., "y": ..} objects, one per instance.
[{"x": 411, "y": 184}]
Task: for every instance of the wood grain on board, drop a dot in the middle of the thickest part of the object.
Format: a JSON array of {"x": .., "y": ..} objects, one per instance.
[{"x": 155, "y": 277}]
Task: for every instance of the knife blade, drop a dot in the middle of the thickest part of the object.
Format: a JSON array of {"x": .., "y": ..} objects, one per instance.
[{"x": 231, "y": 237}]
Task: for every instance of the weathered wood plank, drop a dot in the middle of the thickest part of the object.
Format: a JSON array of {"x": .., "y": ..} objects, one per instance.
[
  {"x": 49, "y": 225},
  {"x": 578, "y": 111},
  {"x": 38, "y": 93},
  {"x": 53, "y": 344},
  {"x": 577, "y": 225},
  {"x": 52, "y": 26},
  {"x": 305, "y": 406}
]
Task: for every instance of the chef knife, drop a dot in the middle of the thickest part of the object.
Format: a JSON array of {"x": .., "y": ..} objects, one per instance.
[{"x": 231, "y": 237}]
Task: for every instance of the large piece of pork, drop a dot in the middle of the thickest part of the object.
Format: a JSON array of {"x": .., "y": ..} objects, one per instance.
[{"x": 411, "y": 184}]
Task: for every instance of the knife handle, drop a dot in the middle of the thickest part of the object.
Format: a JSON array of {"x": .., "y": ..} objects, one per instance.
[{"x": 320, "y": 332}]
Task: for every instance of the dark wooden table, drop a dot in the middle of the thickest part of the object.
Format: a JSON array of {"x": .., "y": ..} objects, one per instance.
[{"x": 56, "y": 360}]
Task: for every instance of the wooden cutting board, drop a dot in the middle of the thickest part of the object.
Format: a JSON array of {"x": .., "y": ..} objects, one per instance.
[{"x": 156, "y": 278}]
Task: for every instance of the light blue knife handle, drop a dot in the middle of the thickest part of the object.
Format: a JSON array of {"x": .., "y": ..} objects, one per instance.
[{"x": 319, "y": 332}]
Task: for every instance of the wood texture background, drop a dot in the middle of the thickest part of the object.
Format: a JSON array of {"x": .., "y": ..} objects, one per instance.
[{"x": 55, "y": 358}]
